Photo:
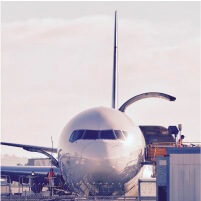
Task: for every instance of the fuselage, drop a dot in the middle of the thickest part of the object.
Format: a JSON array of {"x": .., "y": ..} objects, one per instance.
[{"x": 99, "y": 151}]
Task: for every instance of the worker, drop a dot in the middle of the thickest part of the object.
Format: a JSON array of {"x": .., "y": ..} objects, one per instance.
[
  {"x": 180, "y": 144},
  {"x": 50, "y": 177}
]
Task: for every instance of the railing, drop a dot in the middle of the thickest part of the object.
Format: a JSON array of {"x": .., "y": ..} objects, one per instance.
[
  {"x": 172, "y": 144},
  {"x": 192, "y": 144},
  {"x": 161, "y": 144},
  {"x": 159, "y": 149},
  {"x": 77, "y": 198},
  {"x": 6, "y": 183},
  {"x": 22, "y": 191}
]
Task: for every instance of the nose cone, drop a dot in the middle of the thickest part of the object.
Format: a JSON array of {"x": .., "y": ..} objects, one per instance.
[
  {"x": 99, "y": 160},
  {"x": 99, "y": 150}
]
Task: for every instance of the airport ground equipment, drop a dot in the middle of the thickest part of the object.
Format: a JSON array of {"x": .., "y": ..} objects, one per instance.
[
  {"x": 178, "y": 175},
  {"x": 162, "y": 178},
  {"x": 157, "y": 138},
  {"x": 147, "y": 188}
]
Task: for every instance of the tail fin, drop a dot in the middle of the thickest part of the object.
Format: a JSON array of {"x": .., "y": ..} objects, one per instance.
[{"x": 115, "y": 69}]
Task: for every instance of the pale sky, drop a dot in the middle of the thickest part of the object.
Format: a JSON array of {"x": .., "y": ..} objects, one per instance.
[{"x": 57, "y": 61}]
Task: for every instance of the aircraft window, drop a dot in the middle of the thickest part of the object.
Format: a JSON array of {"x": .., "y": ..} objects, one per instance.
[
  {"x": 107, "y": 134},
  {"x": 91, "y": 135},
  {"x": 72, "y": 136},
  {"x": 119, "y": 135},
  {"x": 76, "y": 135},
  {"x": 125, "y": 134}
]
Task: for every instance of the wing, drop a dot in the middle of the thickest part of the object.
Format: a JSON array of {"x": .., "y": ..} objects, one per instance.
[{"x": 32, "y": 148}]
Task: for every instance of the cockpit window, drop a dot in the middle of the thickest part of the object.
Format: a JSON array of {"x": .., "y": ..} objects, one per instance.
[
  {"x": 72, "y": 136},
  {"x": 76, "y": 135},
  {"x": 98, "y": 134},
  {"x": 125, "y": 134},
  {"x": 119, "y": 135},
  {"x": 91, "y": 135},
  {"x": 79, "y": 135},
  {"x": 107, "y": 134}
]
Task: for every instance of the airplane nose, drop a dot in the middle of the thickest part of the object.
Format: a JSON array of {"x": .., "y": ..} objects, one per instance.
[{"x": 98, "y": 160}]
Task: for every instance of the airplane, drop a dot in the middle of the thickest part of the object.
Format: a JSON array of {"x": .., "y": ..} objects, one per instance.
[{"x": 100, "y": 151}]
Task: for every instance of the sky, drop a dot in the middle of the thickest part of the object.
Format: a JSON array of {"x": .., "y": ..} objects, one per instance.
[{"x": 57, "y": 60}]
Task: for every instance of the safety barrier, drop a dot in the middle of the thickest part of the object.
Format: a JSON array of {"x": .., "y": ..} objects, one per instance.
[
  {"x": 77, "y": 198},
  {"x": 22, "y": 191},
  {"x": 5, "y": 184}
]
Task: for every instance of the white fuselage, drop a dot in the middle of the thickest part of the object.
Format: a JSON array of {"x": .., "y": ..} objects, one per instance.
[{"x": 94, "y": 162}]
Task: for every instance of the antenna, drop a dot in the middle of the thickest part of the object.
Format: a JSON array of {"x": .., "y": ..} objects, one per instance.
[
  {"x": 52, "y": 150},
  {"x": 115, "y": 67}
]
